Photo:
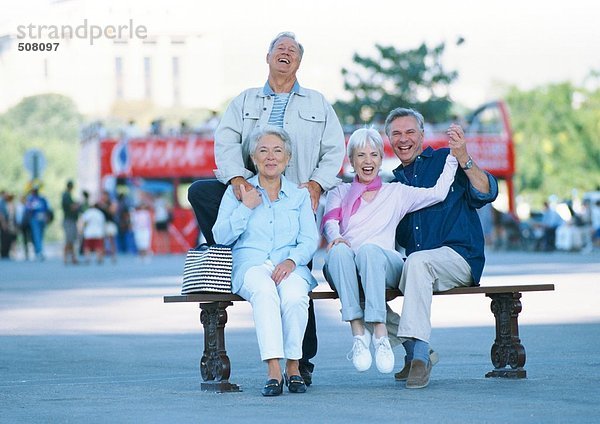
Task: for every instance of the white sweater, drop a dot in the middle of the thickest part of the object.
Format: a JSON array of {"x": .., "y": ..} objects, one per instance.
[{"x": 375, "y": 222}]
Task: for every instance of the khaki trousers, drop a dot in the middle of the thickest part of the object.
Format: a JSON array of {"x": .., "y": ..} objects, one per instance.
[{"x": 424, "y": 272}]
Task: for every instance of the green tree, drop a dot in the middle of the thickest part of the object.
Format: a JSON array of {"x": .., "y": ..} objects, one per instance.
[
  {"x": 414, "y": 78},
  {"x": 51, "y": 124},
  {"x": 556, "y": 133},
  {"x": 50, "y": 116}
]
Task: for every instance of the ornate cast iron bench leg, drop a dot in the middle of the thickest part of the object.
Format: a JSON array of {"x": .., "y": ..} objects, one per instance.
[
  {"x": 215, "y": 366},
  {"x": 507, "y": 348}
]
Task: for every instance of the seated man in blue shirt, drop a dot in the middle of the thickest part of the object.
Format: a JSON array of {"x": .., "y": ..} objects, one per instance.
[{"x": 444, "y": 242}]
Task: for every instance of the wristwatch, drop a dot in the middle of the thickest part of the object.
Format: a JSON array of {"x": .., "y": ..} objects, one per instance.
[{"x": 468, "y": 164}]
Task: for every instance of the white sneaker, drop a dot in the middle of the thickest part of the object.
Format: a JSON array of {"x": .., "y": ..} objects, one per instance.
[
  {"x": 360, "y": 353},
  {"x": 384, "y": 356}
]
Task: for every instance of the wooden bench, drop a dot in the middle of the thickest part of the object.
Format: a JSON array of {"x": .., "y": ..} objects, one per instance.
[{"x": 507, "y": 350}]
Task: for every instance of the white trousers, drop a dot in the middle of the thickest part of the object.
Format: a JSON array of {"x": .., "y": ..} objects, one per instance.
[
  {"x": 377, "y": 268},
  {"x": 424, "y": 272},
  {"x": 280, "y": 311}
]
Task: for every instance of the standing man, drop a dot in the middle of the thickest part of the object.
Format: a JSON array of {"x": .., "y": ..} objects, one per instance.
[
  {"x": 317, "y": 148},
  {"x": 444, "y": 242},
  {"x": 38, "y": 212},
  {"x": 8, "y": 225},
  {"x": 551, "y": 220},
  {"x": 70, "y": 210},
  {"x": 4, "y": 234}
]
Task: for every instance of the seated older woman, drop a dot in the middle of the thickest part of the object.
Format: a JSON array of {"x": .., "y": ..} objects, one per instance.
[
  {"x": 359, "y": 223},
  {"x": 275, "y": 235}
]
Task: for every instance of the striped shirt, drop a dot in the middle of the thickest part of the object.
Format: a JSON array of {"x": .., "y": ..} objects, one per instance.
[{"x": 280, "y": 101}]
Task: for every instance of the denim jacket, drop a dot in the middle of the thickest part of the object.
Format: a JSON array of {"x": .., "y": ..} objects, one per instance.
[
  {"x": 316, "y": 133},
  {"x": 274, "y": 230},
  {"x": 454, "y": 222}
]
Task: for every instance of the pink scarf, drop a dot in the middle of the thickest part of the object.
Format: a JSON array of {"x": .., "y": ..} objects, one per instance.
[{"x": 350, "y": 203}]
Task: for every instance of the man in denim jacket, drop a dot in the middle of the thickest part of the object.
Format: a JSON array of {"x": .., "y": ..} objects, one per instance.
[
  {"x": 317, "y": 147},
  {"x": 444, "y": 242}
]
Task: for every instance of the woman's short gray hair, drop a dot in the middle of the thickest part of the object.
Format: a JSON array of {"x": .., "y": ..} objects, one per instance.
[
  {"x": 289, "y": 35},
  {"x": 363, "y": 136},
  {"x": 400, "y": 112},
  {"x": 260, "y": 132}
]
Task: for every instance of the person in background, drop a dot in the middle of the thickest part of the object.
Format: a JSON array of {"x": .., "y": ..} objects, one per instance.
[
  {"x": 156, "y": 127},
  {"x": 317, "y": 142},
  {"x": 184, "y": 128},
  {"x": 162, "y": 219},
  {"x": 23, "y": 228},
  {"x": 93, "y": 227},
  {"x": 8, "y": 225},
  {"x": 141, "y": 224},
  {"x": 208, "y": 128},
  {"x": 85, "y": 204},
  {"x": 3, "y": 223},
  {"x": 551, "y": 220},
  {"x": 131, "y": 130},
  {"x": 109, "y": 209},
  {"x": 70, "y": 210},
  {"x": 38, "y": 213},
  {"x": 595, "y": 222},
  {"x": 274, "y": 236},
  {"x": 125, "y": 241}
]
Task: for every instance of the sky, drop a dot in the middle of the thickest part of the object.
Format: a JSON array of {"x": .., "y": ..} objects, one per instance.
[{"x": 526, "y": 43}]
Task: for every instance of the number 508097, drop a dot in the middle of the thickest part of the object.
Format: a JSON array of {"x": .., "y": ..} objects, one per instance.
[{"x": 38, "y": 47}]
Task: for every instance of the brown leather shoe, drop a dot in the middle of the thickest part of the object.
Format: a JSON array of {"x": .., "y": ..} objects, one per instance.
[
  {"x": 402, "y": 375},
  {"x": 418, "y": 376}
]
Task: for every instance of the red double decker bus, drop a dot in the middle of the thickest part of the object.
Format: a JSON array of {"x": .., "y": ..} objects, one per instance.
[
  {"x": 147, "y": 167},
  {"x": 167, "y": 165}
]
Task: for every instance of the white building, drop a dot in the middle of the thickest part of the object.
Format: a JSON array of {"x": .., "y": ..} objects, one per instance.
[{"x": 180, "y": 62}]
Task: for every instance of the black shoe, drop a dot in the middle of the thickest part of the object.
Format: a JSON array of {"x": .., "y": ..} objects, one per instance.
[
  {"x": 295, "y": 384},
  {"x": 306, "y": 372},
  {"x": 272, "y": 388}
]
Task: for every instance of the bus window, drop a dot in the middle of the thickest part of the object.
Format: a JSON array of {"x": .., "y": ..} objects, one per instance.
[
  {"x": 487, "y": 121},
  {"x": 501, "y": 202},
  {"x": 181, "y": 194}
]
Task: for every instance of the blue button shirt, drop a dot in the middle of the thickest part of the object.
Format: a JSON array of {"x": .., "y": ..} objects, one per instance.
[
  {"x": 454, "y": 222},
  {"x": 280, "y": 101},
  {"x": 37, "y": 207},
  {"x": 275, "y": 231}
]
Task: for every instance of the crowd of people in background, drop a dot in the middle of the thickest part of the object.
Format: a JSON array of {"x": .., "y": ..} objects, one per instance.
[
  {"x": 24, "y": 218},
  {"x": 92, "y": 229},
  {"x": 157, "y": 127},
  {"x": 128, "y": 228},
  {"x": 571, "y": 225}
]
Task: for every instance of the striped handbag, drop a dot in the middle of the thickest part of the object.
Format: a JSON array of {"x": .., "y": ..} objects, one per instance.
[{"x": 207, "y": 269}]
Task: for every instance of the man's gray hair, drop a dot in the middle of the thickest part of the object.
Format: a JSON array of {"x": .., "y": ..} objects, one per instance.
[
  {"x": 400, "y": 112},
  {"x": 363, "y": 136},
  {"x": 260, "y": 132},
  {"x": 289, "y": 35}
]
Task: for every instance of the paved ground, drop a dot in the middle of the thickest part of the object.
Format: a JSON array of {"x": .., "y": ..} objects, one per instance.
[{"x": 96, "y": 344}]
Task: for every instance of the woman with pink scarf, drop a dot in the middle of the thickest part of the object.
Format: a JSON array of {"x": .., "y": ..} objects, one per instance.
[{"x": 359, "y": 224}]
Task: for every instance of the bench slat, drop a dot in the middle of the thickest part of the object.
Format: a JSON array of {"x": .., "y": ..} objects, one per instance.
[{"x": 390, "y": 293}]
